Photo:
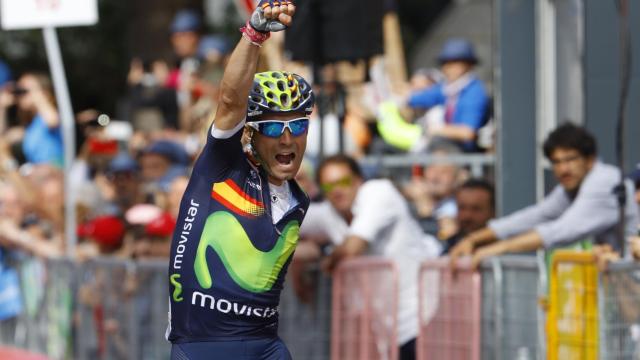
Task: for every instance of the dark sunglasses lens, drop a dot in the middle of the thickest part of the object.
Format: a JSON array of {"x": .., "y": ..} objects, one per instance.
[
  {"x": 271, "y": 129},
  {"x": 299, "y": 127}
]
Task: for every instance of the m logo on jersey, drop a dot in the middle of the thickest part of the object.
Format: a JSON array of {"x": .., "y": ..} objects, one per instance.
[
  {"x": 252, "y": 269},
  {"x": 233, "y": 198}
]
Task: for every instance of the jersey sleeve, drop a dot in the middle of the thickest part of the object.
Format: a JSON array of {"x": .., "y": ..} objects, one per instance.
[{"x": 222, "y": 151}]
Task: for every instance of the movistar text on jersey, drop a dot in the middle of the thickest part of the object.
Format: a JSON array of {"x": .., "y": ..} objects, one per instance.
[
  {"x": 226, "y": 306},
  {"x": 184, "y": 234}
]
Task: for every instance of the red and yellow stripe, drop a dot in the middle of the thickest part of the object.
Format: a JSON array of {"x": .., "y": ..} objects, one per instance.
[{"x": 231, "y": 196}]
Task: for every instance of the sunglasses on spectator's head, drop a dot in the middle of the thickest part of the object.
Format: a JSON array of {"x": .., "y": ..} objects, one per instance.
[
  {"x": 275, "y": 128},
  {"x": 342, "y": 182}
]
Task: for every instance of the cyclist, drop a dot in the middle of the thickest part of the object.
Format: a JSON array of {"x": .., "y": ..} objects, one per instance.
[{"x": 241, "y": 212}]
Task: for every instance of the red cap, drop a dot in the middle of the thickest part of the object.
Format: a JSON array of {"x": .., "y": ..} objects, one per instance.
[
  {"x": 104, "y": 230},
  {"x": 161, "y": 226}
]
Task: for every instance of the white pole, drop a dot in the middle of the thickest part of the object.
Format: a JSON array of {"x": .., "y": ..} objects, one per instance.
[{"x": 67, "y": 121}]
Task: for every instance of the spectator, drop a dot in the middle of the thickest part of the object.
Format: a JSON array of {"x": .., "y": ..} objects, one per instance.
[
  {"x": 123, "y": 175},
  {"x": 185, "y": 39},
  {"x": 214, "y": 49},
  {"x": 161, "y": 162},
  {"x": 153, "y": 105},
  {"x": 150, "y": 232},
  {"x": 203, "y": 85},
  {"x": 185, "y": 34},
  {"x": 392, "y": 126},
  {"x": 582, "y": 207},
  {"x": 462, "y": 94},
  {"x": 475, "y": 201},
  {"x": 371, "y": 218},
  {"x": 105, "y": 235},
  {"x": 39, "y": 121},
  {"x": 176, "y": 190},
  {"x": 25, "y": 224},
  {"x": 432, "y": 193}
]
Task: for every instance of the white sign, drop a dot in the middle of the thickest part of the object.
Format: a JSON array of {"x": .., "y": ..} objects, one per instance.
[{"x": 30, "y": 14}]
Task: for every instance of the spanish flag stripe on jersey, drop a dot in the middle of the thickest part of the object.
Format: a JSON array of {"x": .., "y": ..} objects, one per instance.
[{"x": 231, "y": 196}]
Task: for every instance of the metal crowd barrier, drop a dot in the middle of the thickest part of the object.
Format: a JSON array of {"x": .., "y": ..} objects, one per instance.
[
  {"x": 117, "y": 309},
  {"x": 364, "y": 311},
  {"x": 512, "y": 318},
  {"x": 449, "y": 308},
  {"x": 572, "y": 322},
  {"x": 491, "y": 314},
  {"x": 44, "y": 324},
  {"x": 122, "y": 308},
  {"x": 478, "y": 164},
  {"x": 593, "y": 314},
  {"x": 619, "y": 309},
  {"x": 306, "y": 327},
  {"x": 110, "y": 308}
]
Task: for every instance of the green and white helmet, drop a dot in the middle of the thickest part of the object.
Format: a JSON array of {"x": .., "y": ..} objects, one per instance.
[{"x": 279, "y": 92}]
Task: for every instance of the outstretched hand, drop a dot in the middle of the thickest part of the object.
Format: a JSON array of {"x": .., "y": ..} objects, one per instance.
[{"x": 272, "y": 15}]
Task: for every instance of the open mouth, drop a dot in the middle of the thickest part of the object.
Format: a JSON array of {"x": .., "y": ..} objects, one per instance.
[{"x": 285, "y": 158}]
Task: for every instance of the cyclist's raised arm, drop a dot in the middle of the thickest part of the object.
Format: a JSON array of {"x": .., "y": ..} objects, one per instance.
[{"x": 238, "y": 76}]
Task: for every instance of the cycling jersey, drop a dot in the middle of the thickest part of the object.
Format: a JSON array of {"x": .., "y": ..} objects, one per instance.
[
  {"x": 228, "y": 259},
  {"x": 257, "y": 349}
]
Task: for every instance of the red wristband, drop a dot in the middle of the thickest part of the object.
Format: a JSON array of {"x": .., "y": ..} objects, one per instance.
[{"x": 254, "y": 36}]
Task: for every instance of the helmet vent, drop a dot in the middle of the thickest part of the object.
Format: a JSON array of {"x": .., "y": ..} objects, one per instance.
[
  {"x": 285, "y": 100},
  {"x": 273, "y": 106}
]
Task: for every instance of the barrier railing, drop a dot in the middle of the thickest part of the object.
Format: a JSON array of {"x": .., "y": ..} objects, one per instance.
[
  {"x": 364, "y": 310},
  {"x": 449, "y": 308},
  {"x": 572, "y": 322},
  {"x": 593, "y": 314},
  {"x": 619, "y": 309},
  {"x": 117, "y": 309},
  {"x": 306, "y": 327},
  {"x": 110, "y": 308},
  {"x": 477, "y": 163},
  {"x": 512, "y": 320},
  {"x": 122, "y": 308}
]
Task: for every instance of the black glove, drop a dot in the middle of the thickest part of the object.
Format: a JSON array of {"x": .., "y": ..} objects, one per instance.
[{"x": 260, "y": 23}]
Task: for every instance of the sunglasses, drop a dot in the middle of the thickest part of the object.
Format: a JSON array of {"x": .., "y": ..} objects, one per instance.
[
  {"x": 330, "y": 186},
  {"x": 275, "y": 128}
]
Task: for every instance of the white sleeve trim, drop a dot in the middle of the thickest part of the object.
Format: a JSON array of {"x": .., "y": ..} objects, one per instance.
[{"x": 225, "y": 134}]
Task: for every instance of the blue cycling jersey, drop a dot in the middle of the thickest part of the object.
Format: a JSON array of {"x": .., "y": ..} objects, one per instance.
[{"x": 228, "y": 259}]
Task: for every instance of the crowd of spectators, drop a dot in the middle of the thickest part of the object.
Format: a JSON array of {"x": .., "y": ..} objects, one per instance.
[{"x": 129, "y": 174}]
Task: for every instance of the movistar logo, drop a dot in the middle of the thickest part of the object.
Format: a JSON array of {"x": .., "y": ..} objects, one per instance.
[
  {"x": 177, "y": 287},
  {"x": 252, "y": 269}
]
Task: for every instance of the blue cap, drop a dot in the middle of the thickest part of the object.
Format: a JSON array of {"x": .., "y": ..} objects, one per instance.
[
  {"x": 123, "y": 162},
  {"x": 211, "y": 43},
  {"x": 457, "y": 49},
  {"x": 169, "y": 149},
  {"x": 175, "y": 171},
  {"x": 186, "y": 20}
]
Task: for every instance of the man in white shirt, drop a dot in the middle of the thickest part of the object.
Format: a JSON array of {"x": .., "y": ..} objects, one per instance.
[
  {"x": 371, "y": 218},
  {"x": 582, "y": 206}
]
